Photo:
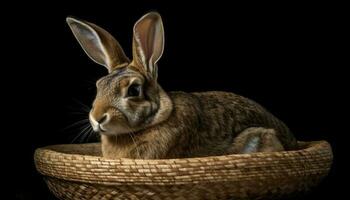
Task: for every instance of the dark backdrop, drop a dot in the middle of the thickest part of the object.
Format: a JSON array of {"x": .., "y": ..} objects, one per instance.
[{"x": 286, "y": 57}]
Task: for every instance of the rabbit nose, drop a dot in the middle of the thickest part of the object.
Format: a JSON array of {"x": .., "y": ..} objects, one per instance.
[
  {"x": 97, "y": 123},
  {"x": 102, "y": 119}
]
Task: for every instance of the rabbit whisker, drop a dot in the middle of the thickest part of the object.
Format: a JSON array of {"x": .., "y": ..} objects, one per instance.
[
  {"x": 89, "y": 134},
  {"x": 76, "y": 109},
  {"x": 79, "y": 122},
  {"x": 132, "y": 138},
  {"x": 85, "y": 135},
  {"x": 81, "y": 133},
  {"x": 78, "y": 113},
  {"x": 84, "y": 106}
]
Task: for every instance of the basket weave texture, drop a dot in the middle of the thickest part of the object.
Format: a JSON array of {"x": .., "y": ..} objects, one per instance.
[{"x": 77, "y": 171}]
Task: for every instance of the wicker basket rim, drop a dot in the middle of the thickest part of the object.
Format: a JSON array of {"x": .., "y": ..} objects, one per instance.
[
  {"x": 305, "y": 146},
  {"x": 314, "y": 159}
]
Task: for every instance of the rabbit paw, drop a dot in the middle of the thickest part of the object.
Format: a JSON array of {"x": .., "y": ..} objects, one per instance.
[{"x": 257, "y": 139}]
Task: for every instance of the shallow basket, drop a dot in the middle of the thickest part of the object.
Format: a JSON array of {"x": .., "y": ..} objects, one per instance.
[{"x": 77, "y": 171}]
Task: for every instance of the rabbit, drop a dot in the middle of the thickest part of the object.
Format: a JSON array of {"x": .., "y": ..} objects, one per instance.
[{"x": 137, "y": 119}]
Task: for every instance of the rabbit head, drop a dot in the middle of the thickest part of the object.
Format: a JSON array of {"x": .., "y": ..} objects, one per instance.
[{"x": 129, "y": 98}]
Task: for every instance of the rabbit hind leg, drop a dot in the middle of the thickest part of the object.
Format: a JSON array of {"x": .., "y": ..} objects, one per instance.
[{"x": 256, "y": 139}]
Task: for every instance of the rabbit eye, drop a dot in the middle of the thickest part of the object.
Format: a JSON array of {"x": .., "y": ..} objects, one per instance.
[{"x": 134, "y": 90}]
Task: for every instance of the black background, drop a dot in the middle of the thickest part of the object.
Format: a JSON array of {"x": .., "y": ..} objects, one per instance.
[{"x": 286, "y": 57}]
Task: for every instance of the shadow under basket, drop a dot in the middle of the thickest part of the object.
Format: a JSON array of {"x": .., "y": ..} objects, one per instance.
[{"x": 77, "y": 171}]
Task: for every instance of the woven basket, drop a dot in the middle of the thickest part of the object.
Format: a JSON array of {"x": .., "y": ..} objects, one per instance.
[{"x": 77, "y": 171}]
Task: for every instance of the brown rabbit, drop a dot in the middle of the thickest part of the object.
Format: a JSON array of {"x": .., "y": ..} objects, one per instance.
[{"x": 138, "y": 119}]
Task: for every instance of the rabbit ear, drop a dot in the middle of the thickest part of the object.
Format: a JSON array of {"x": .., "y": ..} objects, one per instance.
[
  {"x": 98, "y": 44},
  {"x": 148, "y": 42}
]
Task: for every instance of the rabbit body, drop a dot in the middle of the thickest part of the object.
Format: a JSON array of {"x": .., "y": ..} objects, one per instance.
[
  {"x": 138, "y": 119},
  {"x": 201, "y": 124}
]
